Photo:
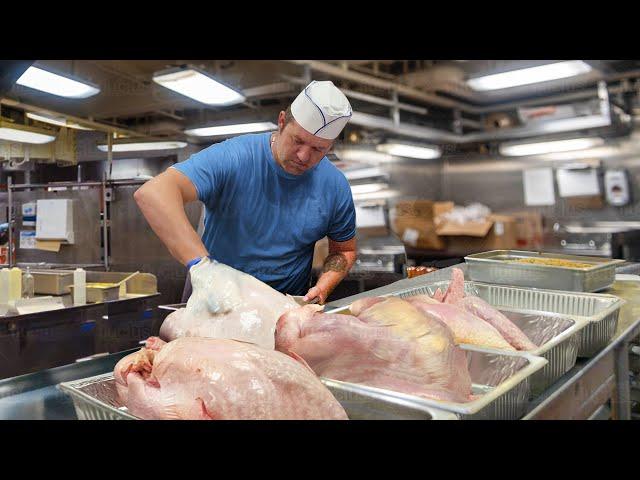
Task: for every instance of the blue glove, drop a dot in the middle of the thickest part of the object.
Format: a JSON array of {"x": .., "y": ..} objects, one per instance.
[
  {"x": 196, "y": 260},
  {"x": 191, "y": 263}
]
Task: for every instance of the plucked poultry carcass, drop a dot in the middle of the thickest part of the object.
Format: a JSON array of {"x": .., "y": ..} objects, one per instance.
[
  {"x": 510, "y": 331},
  {"x": 466, "y": 327},
  {"x": 227, "y": 303},
  {"x": 416, "y": 357},
  {"x": 471, "y": 318},
  {"x": 195, "y": 378}
]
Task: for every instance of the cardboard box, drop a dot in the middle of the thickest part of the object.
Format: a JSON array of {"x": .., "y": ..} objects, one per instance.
[
  {"x": 418, "y": 233},
  {"x": 413, "y": 223},
  {"x": 500, "y": 235}
]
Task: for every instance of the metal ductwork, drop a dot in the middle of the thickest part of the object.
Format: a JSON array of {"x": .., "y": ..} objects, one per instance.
[{"x": 602, "y": 119}]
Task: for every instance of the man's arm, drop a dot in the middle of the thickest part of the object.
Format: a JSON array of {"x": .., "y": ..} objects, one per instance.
[
  {"x": 162, "y": 201},
  {"x": 342, "y": 256}
]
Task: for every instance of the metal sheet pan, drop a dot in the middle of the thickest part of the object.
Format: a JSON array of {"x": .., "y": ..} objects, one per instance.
[
  {"x": 491, "y": 267},
  {"x": 95, "y": 398}
]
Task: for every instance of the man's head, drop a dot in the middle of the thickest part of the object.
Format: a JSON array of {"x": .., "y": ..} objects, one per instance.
[{"x": 308, "y": 128}]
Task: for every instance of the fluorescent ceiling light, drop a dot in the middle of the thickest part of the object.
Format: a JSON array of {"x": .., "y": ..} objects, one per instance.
[
  {"x": 521, "y": 149},
  {"x": 411, "y": 151},
  {"x": 526, "y": 76},
  {"x": 60, "y": 121},
  {"x": 143, "y": 146},
  {"x": 368, "y": 188},
  {"x": 369, "y": 172},
  {"x": 231, "y": 129},
  {"x": 199, "y": 86},
  {"x": 381, "y": 195},
  {"x": 24, "y": 134},
  {"x": 56, "y": 84},
  {"x": 363, "y": 155}
]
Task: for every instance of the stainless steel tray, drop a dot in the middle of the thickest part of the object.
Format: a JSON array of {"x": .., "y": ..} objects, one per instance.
[
  {"x": 500, "y": 379},
  {"x": 95, "y": 398},
  {"x": 599, "y": 310},
  {"x": 491, "y": 267},
  {"x": 51, "y": 282}
]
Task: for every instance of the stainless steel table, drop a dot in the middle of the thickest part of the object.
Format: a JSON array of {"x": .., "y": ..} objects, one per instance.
[{"x": 579, "y": 394}]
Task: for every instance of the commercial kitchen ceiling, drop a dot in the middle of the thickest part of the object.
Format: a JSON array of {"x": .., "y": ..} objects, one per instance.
[{"x": 130, "y": 99}]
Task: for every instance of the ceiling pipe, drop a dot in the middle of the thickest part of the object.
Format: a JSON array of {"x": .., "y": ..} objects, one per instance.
[
  {"x": 366, "y": 97},
  {"x": 382, "y": 84},
  {"x": 89, "y": 123},
  {"x": 442, "y": 136},
  {"x": 444, "y": 102}
]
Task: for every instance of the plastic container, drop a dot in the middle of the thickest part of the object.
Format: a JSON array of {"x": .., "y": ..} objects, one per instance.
[
  {"x": 5, "y": 286},
  {"x": 28, "y": 285},
  {"x": 80, "y": 287},
  {"x": 15, "y": 284}
]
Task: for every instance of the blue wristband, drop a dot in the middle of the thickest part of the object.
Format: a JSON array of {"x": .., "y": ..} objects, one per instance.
[{"x": 193, "y": 262}]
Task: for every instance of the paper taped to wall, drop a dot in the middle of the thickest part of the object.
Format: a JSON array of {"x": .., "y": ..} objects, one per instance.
[
  {"x": 538, "y": 187},
  {"x": 48, "y": 245}
]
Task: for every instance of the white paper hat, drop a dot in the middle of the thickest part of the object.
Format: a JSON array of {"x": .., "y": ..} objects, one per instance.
[{"x": 322, "y": 109}]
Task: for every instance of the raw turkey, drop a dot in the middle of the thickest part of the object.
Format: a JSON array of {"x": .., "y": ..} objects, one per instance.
[
  {"x": 195, "y": 378},
  {"x": 466, "y": 327},
  {"x": 451, "y": 311},
  {"x": 227, "y": 303},
  {"x": 509, "y": 330},
  {"x": 418, "y": 357},
  {"x": 476, "y": 306}
]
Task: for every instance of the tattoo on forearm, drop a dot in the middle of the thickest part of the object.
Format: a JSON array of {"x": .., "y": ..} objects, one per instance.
[{"x": 336, "y": 262}]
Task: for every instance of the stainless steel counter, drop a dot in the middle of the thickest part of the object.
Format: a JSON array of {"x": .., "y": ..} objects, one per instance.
[
  {"x": 38, "y": 341},
  {"x": 35, "y": 396}
]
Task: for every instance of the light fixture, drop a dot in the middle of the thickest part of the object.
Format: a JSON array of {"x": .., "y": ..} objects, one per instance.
[
  {"x": 142, "y": 145},
  {"x": 235, "y": 129},
  {"x": 521, "y": 149},
  {"x": 381, "y": 195},
  {"x": 363, "y": 155},
  {"x": 55, "y": 84},
  {"x": 198, "y": 85},
  {"x": 24, "y": 134},
  {"x": 425, "y": 152},
  {"x": 359, "y": 173},
  {"x": 60, "y": 121},
  {"x": 367, "y": 188},
  {"x": 526, "y": 76}
]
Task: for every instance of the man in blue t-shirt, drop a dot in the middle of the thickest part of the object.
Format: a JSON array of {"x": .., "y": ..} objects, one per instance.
[{"x": 268, "y": 197}]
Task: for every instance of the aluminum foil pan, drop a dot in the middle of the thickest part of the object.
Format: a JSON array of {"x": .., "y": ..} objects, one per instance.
[
  {"x": 599, "y": 310},
  {"x": 500, "y": 381},
  {"x": 557, "y": 335},
  {"x": 95, "y": 398}
]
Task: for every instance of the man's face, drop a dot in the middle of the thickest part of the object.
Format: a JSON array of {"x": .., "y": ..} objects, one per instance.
[{"x": 298, "y": 150}]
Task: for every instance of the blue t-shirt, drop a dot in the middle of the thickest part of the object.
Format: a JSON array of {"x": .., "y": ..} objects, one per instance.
[{"x": 262, "y": 220}]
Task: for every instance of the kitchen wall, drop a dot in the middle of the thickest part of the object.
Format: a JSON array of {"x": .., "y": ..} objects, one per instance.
[{"x": 497, "y": 182}]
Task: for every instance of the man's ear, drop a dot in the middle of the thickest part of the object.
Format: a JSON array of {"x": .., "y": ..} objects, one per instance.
[{"x": 281, "y": 117}]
